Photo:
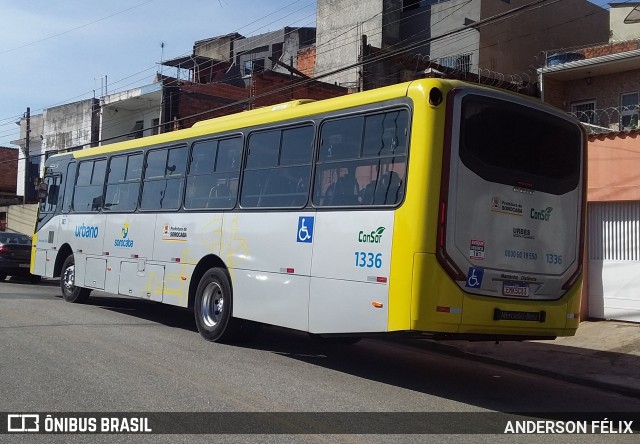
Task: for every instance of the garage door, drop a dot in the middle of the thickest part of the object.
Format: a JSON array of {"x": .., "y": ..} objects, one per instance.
[{"x": 614, "y": 260}]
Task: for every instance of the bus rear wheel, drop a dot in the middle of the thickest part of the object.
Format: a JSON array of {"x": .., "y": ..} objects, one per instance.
[
  {"x": 213, "y": 307},
  {"x": 71, "y": 292}
]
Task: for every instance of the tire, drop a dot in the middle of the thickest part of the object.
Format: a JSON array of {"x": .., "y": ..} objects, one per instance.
[
  {"x": 2, "y": 277},
  {"x": 70, "y": 292},
  {"x": 213, "y": 306}
]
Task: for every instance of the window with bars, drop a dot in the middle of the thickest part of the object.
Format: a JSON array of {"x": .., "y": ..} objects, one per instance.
[
  {"x": 459, "y": 62},
  {"x": 629, "y": 110},
  {"x": 584, "y": 111}
]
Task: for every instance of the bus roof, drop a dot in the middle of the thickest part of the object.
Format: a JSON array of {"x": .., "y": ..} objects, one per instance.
[{"x": 275, "y": 113}]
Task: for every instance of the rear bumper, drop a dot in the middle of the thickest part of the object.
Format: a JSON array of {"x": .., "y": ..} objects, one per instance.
[
  {"x": 14, "y": 268},
  {"x": 440, "y": 306}
]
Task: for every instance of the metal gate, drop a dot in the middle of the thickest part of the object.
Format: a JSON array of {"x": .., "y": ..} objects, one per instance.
[{"x": 614, "y": 260}]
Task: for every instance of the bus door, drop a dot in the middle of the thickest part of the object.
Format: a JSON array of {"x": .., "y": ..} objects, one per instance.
[{"x": 49, "y": 194}]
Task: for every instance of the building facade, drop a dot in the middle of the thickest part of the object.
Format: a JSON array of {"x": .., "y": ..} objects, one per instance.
[
  {"x": 457, "y": 34},
  {"x": 600, "y": 85}
]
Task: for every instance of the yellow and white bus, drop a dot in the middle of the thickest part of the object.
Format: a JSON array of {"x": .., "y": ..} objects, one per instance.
[{"x": 431, "y": 207}]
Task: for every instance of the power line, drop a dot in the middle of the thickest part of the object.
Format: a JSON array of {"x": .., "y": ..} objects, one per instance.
[
  {"x": 402, "y": 49},
  {"x": 148, "y": 69}
]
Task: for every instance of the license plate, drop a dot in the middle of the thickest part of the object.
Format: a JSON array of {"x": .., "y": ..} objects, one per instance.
[
  {"x": 516, "y": 289},
  {"x": 23, "y": 265},
  {"x": 533, "y": 316}
]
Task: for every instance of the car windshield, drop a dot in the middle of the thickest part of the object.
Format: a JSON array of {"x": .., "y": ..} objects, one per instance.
[{"x": 13, "y": 238}]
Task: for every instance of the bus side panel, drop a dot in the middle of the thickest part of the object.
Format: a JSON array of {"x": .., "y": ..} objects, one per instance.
[
  {"x": 266, "y": 241},
  {"x": 269, "y": 268},
  {"x": 273, "y": 298},
  {"x": 187, "y": 236},
  {"x": 338, "y": 306},
  {"x": 350, "y": 273},
  {"x": 45, "y": 244},
  {"x": 175, "y": 288},
  {"x": 130, "y": 236}
]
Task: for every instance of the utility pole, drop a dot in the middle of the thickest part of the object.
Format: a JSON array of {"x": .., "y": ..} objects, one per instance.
[{"x": 27, "y": 162}]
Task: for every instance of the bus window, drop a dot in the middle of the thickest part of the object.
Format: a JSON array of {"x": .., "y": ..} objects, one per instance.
[
  {"x": 68, "y": 187},
  {"x": 212, "y": 181},
  {"x": 386, "y": 134},
  {"x": 89, "y": 184},
  {"x": 123, "y": 183},
  {"x": 278, "y": 168},
  {"x": 369, "y": 172},
  {"x": 164, "y": 179},
  {"x": 341, "y": 139},
  {"x": 549, "y": 162},
  {"x": 49, "y": 202}
]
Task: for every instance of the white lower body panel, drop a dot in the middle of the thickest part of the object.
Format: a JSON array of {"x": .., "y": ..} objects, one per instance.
[
  {"x": 273, "y": 298},
  {"x": 339, "y": 306}
]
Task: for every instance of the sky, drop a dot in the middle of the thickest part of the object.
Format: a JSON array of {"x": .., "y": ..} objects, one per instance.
[{"x": 56, "y": 52}]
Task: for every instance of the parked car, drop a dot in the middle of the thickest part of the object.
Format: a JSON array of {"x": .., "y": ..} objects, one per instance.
[{"x": 15, "y": 256}]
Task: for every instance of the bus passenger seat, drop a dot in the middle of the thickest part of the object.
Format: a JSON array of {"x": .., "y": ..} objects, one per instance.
[{"x": 345, "y": 191}]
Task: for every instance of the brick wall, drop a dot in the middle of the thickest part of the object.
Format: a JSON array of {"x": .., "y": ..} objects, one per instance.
[
  {"x": 204, "y": 107},
  {"x": 207, "y": 101},
  {"x": 605, "y": 91},
  {"x": 272, "y": 88},
  {"x": 612, "y": 48},
  {"x": 306, "y": 62},
  {"x": 8, "y": 170},
  {"x": 554, "y": 93}
]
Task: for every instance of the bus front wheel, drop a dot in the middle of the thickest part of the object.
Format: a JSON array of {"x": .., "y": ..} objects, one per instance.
[
  {"x": 213, "y": 307},
  {"x": 71, "y": 292}
]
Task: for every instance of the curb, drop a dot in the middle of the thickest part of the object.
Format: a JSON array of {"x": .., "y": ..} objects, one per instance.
[{"x": 454, "y": 351}]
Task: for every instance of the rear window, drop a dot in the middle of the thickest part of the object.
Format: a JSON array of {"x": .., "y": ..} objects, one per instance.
[
  {"x": 14, "y": 239},
  {"x": 513, "y": 144}
]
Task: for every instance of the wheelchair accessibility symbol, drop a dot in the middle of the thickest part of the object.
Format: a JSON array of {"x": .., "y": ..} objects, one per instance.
[
  {"x": 474, "y": 277},
  {"x": 305, "y": 229}
]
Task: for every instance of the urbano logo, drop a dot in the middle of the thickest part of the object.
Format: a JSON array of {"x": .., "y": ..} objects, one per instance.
[
  {"x": 86, "y": 231},
  {"x": 124, "y": 241},
  {"x": 373, "y": 237},
  {"x": 541, "y": 214}
]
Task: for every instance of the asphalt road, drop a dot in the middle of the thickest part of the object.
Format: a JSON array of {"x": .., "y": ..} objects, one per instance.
[{"x": 118, "y": 354}]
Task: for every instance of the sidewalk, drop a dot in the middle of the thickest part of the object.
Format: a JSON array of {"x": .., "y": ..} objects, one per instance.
[{"x": 603, "y": 354}]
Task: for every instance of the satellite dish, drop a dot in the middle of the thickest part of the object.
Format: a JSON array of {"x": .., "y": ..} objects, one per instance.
[{"x": 633, "y": 16}]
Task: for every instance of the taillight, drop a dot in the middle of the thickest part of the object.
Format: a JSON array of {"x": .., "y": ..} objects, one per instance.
[
  {"x": 3, "y": 250},
  {"x": 441, "y": 249},
  {"x": 444, "y": 260}
]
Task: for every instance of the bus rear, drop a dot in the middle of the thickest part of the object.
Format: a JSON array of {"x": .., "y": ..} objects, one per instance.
[{"x": 511, "y": 211}]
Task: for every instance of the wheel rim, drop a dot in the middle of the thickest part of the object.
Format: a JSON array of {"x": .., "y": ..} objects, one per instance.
[
  {"x": 68, "y": 278},
  {"x": 212, "y": 305}
]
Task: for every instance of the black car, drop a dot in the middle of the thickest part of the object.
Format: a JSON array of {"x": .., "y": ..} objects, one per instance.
[{"x": 15, "y": 256}]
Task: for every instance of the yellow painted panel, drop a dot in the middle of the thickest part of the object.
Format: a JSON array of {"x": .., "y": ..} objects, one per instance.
[{"x": 415, "y": 222}]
